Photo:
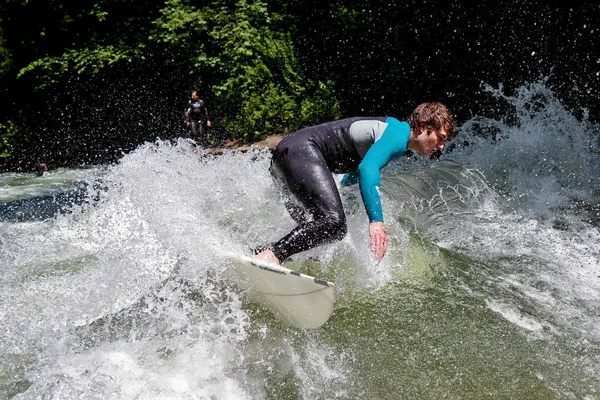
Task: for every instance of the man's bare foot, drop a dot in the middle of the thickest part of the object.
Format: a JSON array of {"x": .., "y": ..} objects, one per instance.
[{"x": 267, "y": 256}]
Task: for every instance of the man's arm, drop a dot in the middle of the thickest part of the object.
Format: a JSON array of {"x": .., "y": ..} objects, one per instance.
[
  {"x": 205, "y": 114},
  {"x": 350, "y": 179},
  {"x": 392, "y": 143},
  {"x": 369, "y": 181}
]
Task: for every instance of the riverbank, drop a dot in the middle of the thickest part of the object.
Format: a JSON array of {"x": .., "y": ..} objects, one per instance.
[{"x": 270, "y": 143}]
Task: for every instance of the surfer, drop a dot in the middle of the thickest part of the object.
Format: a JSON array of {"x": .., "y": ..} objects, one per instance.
[
  {"x": 303, "y": 164},
  {"x": 196, "y": 117}
]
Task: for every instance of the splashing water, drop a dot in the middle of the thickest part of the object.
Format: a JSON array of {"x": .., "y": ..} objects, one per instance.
[{"x": 490, "y": 284}]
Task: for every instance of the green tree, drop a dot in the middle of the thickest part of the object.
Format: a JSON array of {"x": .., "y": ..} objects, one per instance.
[
  {"x": 231, "y": 48},
  {"x": 75, "y": 38},
  {"x": 7, "y": 131},
  {"x": 250, "y": 67}
]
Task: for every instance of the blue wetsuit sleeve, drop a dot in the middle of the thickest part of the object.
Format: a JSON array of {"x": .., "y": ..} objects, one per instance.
[
  {"x": 350, "y": 178},
  {"x": 392, "y": 144}
]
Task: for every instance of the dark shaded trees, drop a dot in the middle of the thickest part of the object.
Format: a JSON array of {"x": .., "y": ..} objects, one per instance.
[
  {"x": 83, "y": 81},
  {"x": 105, "y": 76}
]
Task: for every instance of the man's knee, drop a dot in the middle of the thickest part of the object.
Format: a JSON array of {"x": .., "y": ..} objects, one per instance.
[{"x": 336, "y": 226}]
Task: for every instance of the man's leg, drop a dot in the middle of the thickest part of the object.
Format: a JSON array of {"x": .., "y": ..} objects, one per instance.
[
  {"x": 197, "y": 132},
  {"x": 309, "y": 179},
  {"x": 296, "y": 211}
]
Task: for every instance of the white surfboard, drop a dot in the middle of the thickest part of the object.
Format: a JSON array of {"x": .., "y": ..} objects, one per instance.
[{"x": 301, "y": 300}]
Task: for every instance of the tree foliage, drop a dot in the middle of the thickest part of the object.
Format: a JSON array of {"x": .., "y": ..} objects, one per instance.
[
  {"x": 87, "y": 79},
  {"x": 234, "y": 48},
  {"x": 246, "y": 68},
  {"x": 7, "y": 131},
  {"x": 51, "y": 69}
]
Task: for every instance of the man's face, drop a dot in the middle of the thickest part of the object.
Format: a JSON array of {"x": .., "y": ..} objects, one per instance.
[
  {"x": 194, "y": 96},
  {"x": 427, "y": 144}
]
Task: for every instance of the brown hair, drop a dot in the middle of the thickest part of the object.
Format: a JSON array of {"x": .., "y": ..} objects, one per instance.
[{"x": 434, "y": 116}]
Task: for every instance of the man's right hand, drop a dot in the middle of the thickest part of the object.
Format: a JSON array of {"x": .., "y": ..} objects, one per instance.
[{"x": 379, "y": 239}]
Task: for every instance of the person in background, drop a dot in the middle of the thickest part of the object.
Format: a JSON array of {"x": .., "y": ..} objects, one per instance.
[
  {"x": 41, "y": 169},
  {"x": 304, "y": 162},
  {"x": 196, "y": 117}
]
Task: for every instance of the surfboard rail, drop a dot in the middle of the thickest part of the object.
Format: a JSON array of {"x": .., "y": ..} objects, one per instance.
[{"x": 301, "y": 300}]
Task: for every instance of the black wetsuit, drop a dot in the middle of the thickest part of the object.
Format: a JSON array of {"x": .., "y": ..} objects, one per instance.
[
  {"x": 303, "y": 164},
  {"x": 197, "y": 115}
]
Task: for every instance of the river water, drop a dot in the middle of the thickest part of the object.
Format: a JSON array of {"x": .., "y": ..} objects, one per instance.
[{"x": 114, "y": 280}]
